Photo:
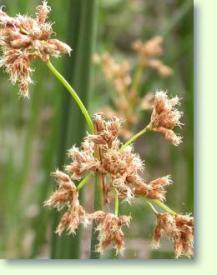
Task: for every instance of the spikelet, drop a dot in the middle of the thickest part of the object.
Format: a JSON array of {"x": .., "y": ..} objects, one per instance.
[
  {"x": 165, "y": 117},
  {"x": 24, "y": 39}
]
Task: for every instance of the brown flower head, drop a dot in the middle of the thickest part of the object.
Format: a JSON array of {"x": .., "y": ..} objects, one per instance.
[
  {"x": 119, "y": 166},
  {"x": 123, "y": 167},
  {"x": 110, "y": 231},
  {"x": 107, "y": 132},
  {"x": 118, "y": 73},
  {"x": 83, "y": 160},
  {"x": 114, "y": 71},
  {"x": 24, "y": 39},
  {"x": 185, "y": 239},
  {"x": 72, "y": 219},
  {"x": 153, "y": 190},
  {"x": 102, "y": 152},
  {"x": 152, "y": 48},
  {"x": 179, "y": 229},
  {"x": 166, "y": 225},
  {"x": 161, "y": 68},
  {"x": 66, "y": 194},
  {"x": 165, "y": 117}
]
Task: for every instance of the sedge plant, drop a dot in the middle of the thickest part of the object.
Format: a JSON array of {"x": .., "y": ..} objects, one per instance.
[{"x": 117, "y": 168}]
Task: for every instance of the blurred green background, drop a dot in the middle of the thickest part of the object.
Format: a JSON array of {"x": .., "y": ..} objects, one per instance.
[{"x": 35, "y": 133}]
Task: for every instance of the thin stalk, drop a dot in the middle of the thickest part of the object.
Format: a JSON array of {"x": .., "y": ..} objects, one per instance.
[
  {"x": 114, "y": 255},
  {"x": 137, "y": 77},
  {"x": 83, "y": 182},
  {"x": 162, "y": 206},
  {"x": 79, "y": 71},
  {"x": 151, "y": 206},
  {"x": 74, "y": 95},
  {"x": 135, "y": 137},
  {"x": 98, "y": 205}
]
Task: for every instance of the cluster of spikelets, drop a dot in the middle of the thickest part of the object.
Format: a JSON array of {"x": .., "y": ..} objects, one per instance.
[
  {"x": 127, "y": 99},
  {"x": 122, "y": 172},
  {"x": 24, "y": 39},
  {"x": 148, "y": 53},
  {"x": 178, "y": 228}
]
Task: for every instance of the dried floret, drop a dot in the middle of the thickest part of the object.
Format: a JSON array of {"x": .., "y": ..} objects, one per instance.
[
  {"x": 178, "y": 228},
  {"x": 110, "y": 231},
  {"x": 165, "y": 117},
  {"x": 24, "y": 39},
  {"x": 66, "y": 194}
]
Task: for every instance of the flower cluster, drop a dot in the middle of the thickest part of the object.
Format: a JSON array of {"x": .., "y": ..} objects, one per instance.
[
  {"x": 66, "y": 197},
  {"x": 178, "y": 228},
  {"x": 121, "y": 170},
  {"x": 119, "y": 75},
  {"x": 148, "y": 52},
  {"x": 110, "y": 232},
  {"x": 24, "y": 39},
  {"x": 155, "y": 189},
  {"x": 117, "y": 72},
  {"x": 120, "y": 167},
  {"x": 165, "y": 117},
  {"x": 127, "y": 102}
]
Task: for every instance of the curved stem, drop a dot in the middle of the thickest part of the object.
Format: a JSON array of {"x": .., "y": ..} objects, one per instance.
[
  {"x": 83, "y": 182},
  {"x": 133, "y": 138},
  {"x": 73, "y": 94}
]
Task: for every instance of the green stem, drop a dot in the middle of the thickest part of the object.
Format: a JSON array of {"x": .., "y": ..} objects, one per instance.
[
  {"x": 137, "y": 77},
  {"x": 151, "y": 206},
  {"x": 83, "y": 182},
  {"x": 162, "y": 206},
  {"x": 98, "y": 205},
  {"x": 73, "y": 94},
  {"x": 135, "y": 137},
  {"x": 116, "y": 203}
]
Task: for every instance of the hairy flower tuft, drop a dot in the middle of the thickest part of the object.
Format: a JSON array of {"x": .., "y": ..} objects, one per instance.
[
  {"x": 72, "y": 219},
  {"x": 150, "y": 49},
  {"x": 165, "y": 117},
  {"x": 178, "y": 228},
  {"x": 83, "y": 160},
  {"x": 66, "y": 194},
  {"x": 153, "y": 190},
  {"x": 117, "y": 72},
  {"x": 24, "y": 39},
  {"x": 110, "y": 231}
]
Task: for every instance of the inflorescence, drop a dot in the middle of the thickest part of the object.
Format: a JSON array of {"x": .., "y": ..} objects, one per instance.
[
  {"x": 24, "y": 39},
  {"x": 121, "y": 170},
  {"x": 127, "y": 103}
]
